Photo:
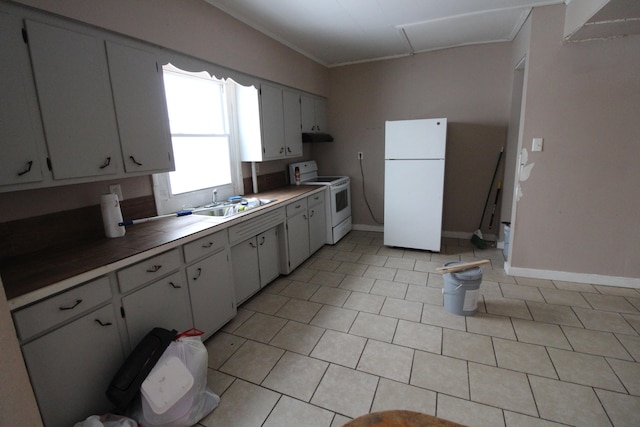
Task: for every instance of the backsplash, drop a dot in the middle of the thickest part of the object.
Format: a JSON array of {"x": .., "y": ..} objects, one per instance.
[
  {"x": 61, "y": 229},
  {"x": 266, "y": 182}
]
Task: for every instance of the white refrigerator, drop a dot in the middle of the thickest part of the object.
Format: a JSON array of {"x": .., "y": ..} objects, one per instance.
[{"x": 414, "y": 183}]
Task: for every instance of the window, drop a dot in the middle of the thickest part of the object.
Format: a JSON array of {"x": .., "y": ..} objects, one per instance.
[{"x": 203, "y": 143}]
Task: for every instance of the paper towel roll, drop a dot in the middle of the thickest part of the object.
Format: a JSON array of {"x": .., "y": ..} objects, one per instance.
[{"x": 111, "y": 215}]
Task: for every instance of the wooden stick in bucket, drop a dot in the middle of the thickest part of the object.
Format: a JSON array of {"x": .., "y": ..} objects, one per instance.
[{"x": 460, "y": 267}]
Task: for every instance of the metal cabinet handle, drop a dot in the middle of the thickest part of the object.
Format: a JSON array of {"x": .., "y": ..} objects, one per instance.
[
  {"x": 133, "y": 159},
  {"x": 28, "y": 169},
  {"x": 311, "y": 213},
  {"x": 289, "y": 150},
  {"x": 154, "y": 268},
  {"x": 101, "y": 323},
  {"x": 262, "y": 241},
  {"x": 305, "y": 216},
  {"x": 253, "y": 245},
  {"x": 198, "y": 274},
  {"x": 207, "y": 245},
  {"x": 106, "y": 163},
  {"x": 174, "y": 286},
  {"x": 78, "y": 301},
  {"x": 281, "y": 150}
]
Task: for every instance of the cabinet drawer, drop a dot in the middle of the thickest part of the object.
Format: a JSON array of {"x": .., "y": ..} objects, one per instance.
[
  {"x": 52, "y": 311},
  {"x": 138, "y": 274},
  {"x": 315, "y": 199},
  {"x": 206, "y": 245},
  {"x": 296, "y": 207},
  {"x": 256, "y": 225}
]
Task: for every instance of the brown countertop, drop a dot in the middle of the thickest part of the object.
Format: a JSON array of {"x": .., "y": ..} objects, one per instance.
[{"x": 34, "y": 276}]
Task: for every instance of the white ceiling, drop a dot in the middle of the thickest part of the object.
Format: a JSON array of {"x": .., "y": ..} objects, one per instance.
[{"x": 336, "y": 32}]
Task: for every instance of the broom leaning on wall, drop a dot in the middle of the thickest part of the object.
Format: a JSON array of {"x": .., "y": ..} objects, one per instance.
[{"x": 477, "y": 239}]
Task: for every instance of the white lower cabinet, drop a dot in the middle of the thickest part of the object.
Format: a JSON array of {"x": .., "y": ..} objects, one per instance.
[
  {"x": 72, "y": 341},
  {"x": 71, "y": 367},
  {"x": 297, "y": 238},
  {"x": 268, "y": 256},
  {"x": 211, "y": 290},
  {"x": 162, "y": 304},
  {"x": 256, "y": 262},
  {"x": 317, "y": 222},
  {"x": 306, "y": 229}
]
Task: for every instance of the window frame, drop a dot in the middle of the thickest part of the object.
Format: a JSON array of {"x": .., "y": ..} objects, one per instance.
[{"x": 165, "y": 201}]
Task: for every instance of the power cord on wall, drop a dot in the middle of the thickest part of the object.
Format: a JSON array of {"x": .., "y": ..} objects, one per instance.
[{"x": 364, "y": 193}]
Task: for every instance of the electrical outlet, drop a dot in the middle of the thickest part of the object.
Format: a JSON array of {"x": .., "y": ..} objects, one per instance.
[
  {"x": 360, "y": 155},
  {"x": 116, "y": 189}
]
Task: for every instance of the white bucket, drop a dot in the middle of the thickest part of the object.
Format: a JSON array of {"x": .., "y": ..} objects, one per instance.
[{"x": 461, "y": 290}]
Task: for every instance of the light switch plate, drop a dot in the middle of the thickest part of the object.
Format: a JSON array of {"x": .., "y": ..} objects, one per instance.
[{"x": 537, "y": 144}]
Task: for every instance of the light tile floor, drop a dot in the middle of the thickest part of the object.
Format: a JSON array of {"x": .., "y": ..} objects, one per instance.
[{"x": 361, "y": 327}]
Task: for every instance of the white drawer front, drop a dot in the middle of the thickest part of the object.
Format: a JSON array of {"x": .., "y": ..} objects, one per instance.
[
  {"x": 315, "y": 199},
  {"x": 143, "y": 272},
  {"x": 206, "y": 245},
  {"x": 296, "y": 207},
  {"x": 52, "y": 311},
  {"x": 255, "y": 226}
]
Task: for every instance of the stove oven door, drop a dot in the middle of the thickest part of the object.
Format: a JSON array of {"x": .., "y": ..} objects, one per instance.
[{"x": 340, "y": 202}]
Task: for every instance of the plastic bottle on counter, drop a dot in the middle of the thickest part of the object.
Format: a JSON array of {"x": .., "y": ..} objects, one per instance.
[{"x": 297, "y": 175}]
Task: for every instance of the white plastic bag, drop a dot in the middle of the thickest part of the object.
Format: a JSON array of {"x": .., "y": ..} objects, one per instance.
[
  {"x": 195, "y": 402},
  {"x": 108, "y": 420}
]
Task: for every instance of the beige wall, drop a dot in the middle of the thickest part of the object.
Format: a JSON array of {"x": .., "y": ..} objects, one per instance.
[
  {"x": 579, "y": 208},
  {"x": 468, "y": 85}
]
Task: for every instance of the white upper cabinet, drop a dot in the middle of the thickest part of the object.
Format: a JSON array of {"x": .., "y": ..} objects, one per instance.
[
  {"x": 292, "y": 123},
  {"x": 272, "y": 121},
  {"x": 141, "y": 109},
  {"x": 269, "y": 123},
  {"x": 20, "y": 127},
  {"x": 72, "y": 81},
  {"x": 314, "y": 114}
]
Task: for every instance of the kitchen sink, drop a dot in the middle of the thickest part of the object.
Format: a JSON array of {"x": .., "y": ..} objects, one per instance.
[{"x": 227, "y": 209}]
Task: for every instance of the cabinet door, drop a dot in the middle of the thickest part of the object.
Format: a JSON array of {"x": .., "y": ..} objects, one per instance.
[
  {"x": 292, "y": 123},
  {"x": 272, "y": 122},
  {"x": 308, "y": 113},
  {"x": 320, "y": 108},
  {"x": 20, "y": 127},
  {"x": 211, "y": 290},
  {"x": 246, "y": 272},
  {"x": 71, "y": 368},
  {"x": 268, "y": 256},
  {"x": 317, "y": 227},
  {"x": 314, "y": 114},
  {"x": 162, "y": 304},
  {"x": 72, "y": 81},
  {"x": 298, "y": 239},
  {"x": 141, "y": 109}
]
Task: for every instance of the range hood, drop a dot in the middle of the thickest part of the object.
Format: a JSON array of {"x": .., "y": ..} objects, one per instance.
[{"x": 316, "y": 137}]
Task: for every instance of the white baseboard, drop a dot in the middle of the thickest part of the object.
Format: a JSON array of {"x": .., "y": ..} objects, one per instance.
[
  {"x": 593, "y": 279},
  {"x": 364, "y": 227},
  {"x": 451, "y": 234}
]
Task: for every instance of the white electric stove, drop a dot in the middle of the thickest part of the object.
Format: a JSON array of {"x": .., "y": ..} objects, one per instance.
[{"x": 338, "y": 197}]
